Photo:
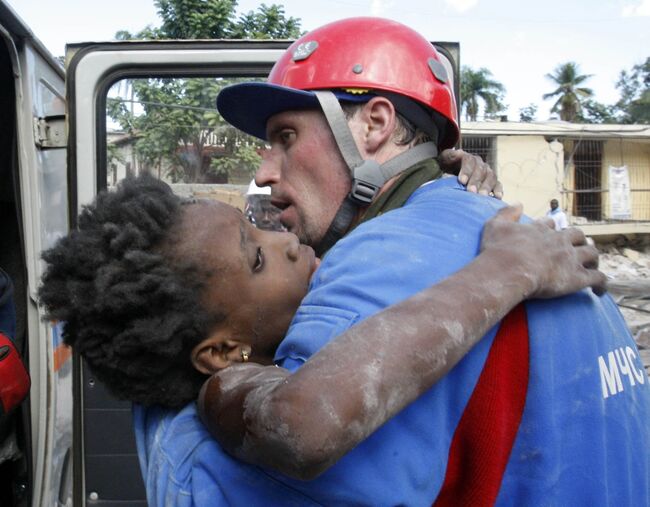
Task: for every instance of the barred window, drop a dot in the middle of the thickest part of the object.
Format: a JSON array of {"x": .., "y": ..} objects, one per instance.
[
  {"x": 587, "y": 163},
  {"x": 480, "y": 146}
]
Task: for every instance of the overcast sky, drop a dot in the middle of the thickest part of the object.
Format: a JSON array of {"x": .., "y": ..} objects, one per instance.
[{"x": 518, "y": 41}]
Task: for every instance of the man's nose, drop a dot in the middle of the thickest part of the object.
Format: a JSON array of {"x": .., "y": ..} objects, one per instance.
[{"x": 268, "y": 172}]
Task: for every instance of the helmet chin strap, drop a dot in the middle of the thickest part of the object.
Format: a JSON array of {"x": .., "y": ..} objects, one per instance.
[{"x": 368, "y": 176}]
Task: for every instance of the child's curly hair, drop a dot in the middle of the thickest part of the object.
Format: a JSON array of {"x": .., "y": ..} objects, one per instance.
[{"x": 127, "y": 305}]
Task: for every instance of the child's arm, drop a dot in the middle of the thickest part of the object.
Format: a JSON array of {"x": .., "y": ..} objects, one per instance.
[{"x": 302, "y": 423}]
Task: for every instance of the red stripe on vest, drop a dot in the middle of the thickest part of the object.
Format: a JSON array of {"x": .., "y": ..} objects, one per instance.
[
  {"x": 14, "y": 379},
  {"x": 483, "y": 440}
]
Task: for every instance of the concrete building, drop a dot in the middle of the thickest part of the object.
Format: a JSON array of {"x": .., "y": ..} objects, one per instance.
[{"x": 600, "y": 174}]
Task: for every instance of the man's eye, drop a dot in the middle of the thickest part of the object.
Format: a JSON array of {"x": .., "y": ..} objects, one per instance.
[
  {"x": 259, "y": 260},
  {"x": 286, "y": 136}
]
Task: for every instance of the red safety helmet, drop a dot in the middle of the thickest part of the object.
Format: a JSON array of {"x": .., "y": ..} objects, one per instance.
[{"x": 370, "y": 54}]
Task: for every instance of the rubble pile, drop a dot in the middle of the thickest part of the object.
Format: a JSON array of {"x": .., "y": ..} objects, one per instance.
[{"x": 628, "y": 269}]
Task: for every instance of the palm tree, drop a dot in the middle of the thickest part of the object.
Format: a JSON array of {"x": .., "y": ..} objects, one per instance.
[
  {"x": 478, "y": 84},
  {"x": 571, "y": 95}
]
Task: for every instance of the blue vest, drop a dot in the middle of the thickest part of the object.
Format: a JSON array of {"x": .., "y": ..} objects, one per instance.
[{"x": 584, "y": 434}]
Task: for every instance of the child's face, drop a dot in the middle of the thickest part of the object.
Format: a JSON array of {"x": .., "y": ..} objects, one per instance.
[{"x": 258, "y": 277}]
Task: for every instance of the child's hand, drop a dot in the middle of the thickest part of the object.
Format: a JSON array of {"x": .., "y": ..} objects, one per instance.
[
  {"x": 472, "y": 172},
  {"x": 556, "y": 262}
]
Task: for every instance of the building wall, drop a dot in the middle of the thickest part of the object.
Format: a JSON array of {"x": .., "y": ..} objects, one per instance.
[
  {"x": 123, "y": 163},
  {"x": 531, "y": 171},
  {"x": 577, "y": 174},
  {"x": 568, "y": 198}
]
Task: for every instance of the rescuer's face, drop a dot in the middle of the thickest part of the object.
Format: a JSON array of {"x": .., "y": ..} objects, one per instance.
[{"x": 307, "y": 175}]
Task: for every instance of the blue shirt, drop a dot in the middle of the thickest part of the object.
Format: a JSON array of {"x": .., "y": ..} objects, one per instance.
[
  {"x": 183, "y": 466},
  {"x": 584, "y": 433}
]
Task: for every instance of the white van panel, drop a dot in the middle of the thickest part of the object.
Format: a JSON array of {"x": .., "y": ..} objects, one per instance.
[{"x": 43, "y": 184}]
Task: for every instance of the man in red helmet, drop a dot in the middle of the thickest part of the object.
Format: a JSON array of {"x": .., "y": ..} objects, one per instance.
[
  {"x": 355, "y": 113},
  {"x": 335, "y": 70}
]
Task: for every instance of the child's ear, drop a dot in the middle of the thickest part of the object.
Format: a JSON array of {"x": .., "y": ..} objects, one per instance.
[{"x": 218, "y": 351}]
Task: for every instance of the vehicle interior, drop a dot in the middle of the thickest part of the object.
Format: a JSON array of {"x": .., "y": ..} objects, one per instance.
[{"x": 15, "y": 463}]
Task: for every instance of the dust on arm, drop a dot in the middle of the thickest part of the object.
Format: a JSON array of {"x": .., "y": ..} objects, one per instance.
[{"x": 301, "y": 423}]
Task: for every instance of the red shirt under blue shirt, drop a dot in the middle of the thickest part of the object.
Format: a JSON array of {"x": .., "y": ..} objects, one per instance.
[{"x": 552, "y": 407}]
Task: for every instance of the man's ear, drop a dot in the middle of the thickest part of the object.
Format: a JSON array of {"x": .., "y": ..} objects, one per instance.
[
  {"x": 379, "y": 118},
  {"x": 218, "y": 351}
]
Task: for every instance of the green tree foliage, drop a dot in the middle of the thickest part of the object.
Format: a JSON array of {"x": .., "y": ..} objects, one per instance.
[
  {"x": 478, "y": 86},
  {"x": 634, "y": 87},
  {"x": 174, "y": 121},
  {"x": 268, "y": 22},
  {"x": 570, "y": 95},
  {"x": 593, "y": 111},
  {"x": 528, "y": 113},
  {"x": 196, "y": 19}
]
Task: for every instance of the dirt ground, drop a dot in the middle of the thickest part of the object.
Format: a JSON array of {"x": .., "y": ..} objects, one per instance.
[{"x": 627, "y": 265}]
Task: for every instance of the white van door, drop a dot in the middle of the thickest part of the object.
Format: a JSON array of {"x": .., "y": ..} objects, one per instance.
[
  {"x": 125, "y": 99},
  {"x": 103, "y": 78},
  {"x": 36, "y": 440}
]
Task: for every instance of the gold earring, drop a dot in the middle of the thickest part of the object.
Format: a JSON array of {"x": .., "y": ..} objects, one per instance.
[{"x": 244, "y": 355}]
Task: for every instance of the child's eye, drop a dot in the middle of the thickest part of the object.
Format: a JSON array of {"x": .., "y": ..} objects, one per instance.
[{"x": 259, "y": 260}]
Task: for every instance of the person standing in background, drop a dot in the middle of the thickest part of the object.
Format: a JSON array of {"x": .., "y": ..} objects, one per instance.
[{"x": 558, "y": 216}]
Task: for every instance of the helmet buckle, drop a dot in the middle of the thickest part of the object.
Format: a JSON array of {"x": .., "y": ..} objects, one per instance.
[{"x": 363, "y": 192}]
